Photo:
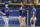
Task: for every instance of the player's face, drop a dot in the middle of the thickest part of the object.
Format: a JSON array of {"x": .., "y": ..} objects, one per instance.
[
  {"x": 6, "y": 5},
  {"x": 33, "y": 6}
]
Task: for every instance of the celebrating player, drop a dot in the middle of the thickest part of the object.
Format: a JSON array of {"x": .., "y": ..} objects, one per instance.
[
  {"x": 5, "y": 12},
  {"x": 33, "y": 16},
  {"x": 22, "y": 15}
]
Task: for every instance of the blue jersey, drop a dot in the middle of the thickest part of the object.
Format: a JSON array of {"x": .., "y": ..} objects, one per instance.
[
  {"x": 33, "y": 12},
  {"x": 22, "y": 12},
  {"x": 6, "y": 11}
]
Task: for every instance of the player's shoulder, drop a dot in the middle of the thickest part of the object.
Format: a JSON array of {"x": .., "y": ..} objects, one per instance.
[
  {"x": 8, "y": 8},
  {"x": 34, "y": 9}
]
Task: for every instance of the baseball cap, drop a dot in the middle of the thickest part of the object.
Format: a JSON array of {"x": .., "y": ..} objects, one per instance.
[{"x": 6, "y": 3}]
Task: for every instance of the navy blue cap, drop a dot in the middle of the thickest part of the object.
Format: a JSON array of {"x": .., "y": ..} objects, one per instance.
[
  {"x": 6, "y": 3},
  {"x": 34, "y": 5}
]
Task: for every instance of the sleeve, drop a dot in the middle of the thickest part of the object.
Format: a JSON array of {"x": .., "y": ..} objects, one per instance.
[
  {"x": 34, "y": 11},
  {"x": 2, "y": 10}
]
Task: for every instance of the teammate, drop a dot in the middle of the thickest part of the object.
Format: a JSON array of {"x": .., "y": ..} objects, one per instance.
[
  {"x": 5, "y": 12},
  {"x": 33, "y": 16},
  {"x": 22, "y": 15}
]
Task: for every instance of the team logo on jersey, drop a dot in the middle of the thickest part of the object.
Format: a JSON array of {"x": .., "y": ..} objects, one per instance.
[{"x": 6, "y": 10}]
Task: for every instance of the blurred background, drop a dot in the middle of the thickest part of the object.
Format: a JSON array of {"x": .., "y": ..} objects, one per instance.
[
  {"x": 18, "y": 1},
  {"x": 14, "y": 5}
]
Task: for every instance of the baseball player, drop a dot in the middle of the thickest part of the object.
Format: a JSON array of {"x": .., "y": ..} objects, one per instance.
[
  {"x": 22, "y": 15},
  {"x": 5, "y": 11},
  {"x": 33, "y": 16}
]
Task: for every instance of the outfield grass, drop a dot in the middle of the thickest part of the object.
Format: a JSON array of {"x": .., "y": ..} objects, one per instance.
[{"x": 18, "y": 26}]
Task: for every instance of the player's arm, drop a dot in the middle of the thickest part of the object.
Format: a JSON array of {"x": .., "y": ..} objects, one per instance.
[
  {"x": 21, "y": 6},
  {"x": 20, "y": 9},
  {"x": 32, "y": 19},
  {"x": 10, "y": 11},
  {"x": 34, "y": 11},
  {"x": 2, "y": 13},
  {"x": 33, "y": 16}
]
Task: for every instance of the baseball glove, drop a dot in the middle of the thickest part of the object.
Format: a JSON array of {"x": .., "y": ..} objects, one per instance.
[
  {"x": 32, "y": 22},
  {"x": 10, "y": 12}
]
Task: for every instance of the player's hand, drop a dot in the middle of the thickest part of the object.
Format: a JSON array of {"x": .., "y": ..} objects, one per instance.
[
  {"x": 32, "y": 19},
  {"x": 1, "y": 12},
  {"x": 4, "y": 14},
  {"x": 32, "y": 22}
]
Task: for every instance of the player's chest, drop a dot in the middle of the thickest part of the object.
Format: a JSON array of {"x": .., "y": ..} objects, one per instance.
[
  {"x": 22, "y": 11},
  {"x": 6, "y": 10},
  {"x": 31, "y": 12}
]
